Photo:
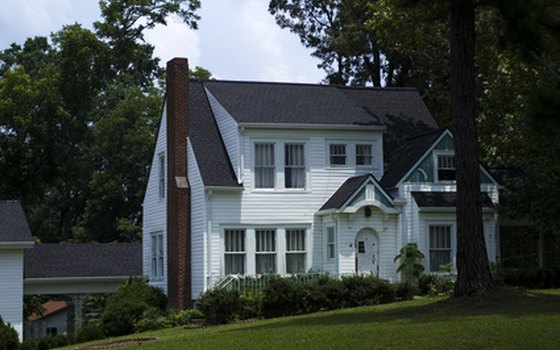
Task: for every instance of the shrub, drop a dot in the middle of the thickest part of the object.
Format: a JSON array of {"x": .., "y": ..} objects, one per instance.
[
  {"x": 410, "y": 262},
  {"x": 548, "y": 277},
  {"x": 89, "y": 331},
  {"x": 9, "y": 339},
  {"x": 324, "y": 293},
  {"x": 47, "y": 343},
  {"x": 185, "y": 317},
  {"x": 405, "y": 290},
  {"x": 127, "y": 305},
  {"x": 153, "y": 319},
  {"x": 29, "y": 345},
  {"x": 436, "y": 285},
  {"x": 367, "y": 290},
  {"x": 251, "y": 305},
  {"x": 282, "y": 297},
  {"x": 220, "y": 305}
]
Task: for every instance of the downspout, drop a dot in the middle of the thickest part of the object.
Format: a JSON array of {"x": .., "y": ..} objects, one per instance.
[{"x": 207, "y": 233}]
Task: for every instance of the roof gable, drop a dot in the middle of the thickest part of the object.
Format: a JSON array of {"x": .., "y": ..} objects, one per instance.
[
  {"x": 13, "y": 224},
  {"x": 354, "y": 190}
]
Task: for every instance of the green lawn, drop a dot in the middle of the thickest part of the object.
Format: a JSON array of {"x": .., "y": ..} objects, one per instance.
[{"x": 504, "y": 320}]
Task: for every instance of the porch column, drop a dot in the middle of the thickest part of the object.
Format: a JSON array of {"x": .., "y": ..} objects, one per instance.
[{"x": 78, "y": 302}]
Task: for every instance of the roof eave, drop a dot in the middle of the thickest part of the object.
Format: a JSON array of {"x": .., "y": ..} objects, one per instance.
[
  {"x": 16, "y": 244},
  {"x": 312, "y": 126}
]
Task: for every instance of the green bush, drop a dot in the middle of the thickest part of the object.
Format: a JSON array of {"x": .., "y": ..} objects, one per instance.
[
  {"x": 29, "y": 345},
  {"x": 220, "y": 305},
  {"x": 47, "y": 343},
  {"x": 282, "y": 297},
  {"x": 153, "y": 319},
  {"x": 367, "y": 290},
  {"x": 324, "y": 293},
  {"x": 89, "y": 331},
  {"x": 185, "y": 317},
  {"x": 127, "y": 305},
  {"x": 436, "y": 285},
  {"x": 405, "y": 290},
  {"x": 8, "y": 336},
  {"x": 251, "y": 305},
  {"x": 548, "y": 277}
]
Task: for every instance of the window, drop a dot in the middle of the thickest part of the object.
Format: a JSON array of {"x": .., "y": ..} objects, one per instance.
[
  {"x": 440, "y": 246},
  {"x": 294, "y": 166},
  {"x": 265, "y": 251},
  {"x": 161, "y": 177},
  {"x": 295, "y": 250},
  {"x": 337, "y": 154},
  {"x": 264, "y": 165},
  {"x": 364, "y": 155},
  {"x": 446, "y": 167},
  {"x": 330, "y": 243},
  {"x": 52, "y": 331},
  {"x": 157, "y": 256},
  {"x": 234, "y": 252}
]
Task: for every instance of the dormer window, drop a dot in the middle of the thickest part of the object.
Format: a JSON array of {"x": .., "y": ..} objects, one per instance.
[
  {"x": 446, "y": 167},
  {"x": 337, "y": 154}
]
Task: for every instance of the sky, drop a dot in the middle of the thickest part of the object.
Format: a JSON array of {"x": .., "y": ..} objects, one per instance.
[{"x": 236, "y": 39}]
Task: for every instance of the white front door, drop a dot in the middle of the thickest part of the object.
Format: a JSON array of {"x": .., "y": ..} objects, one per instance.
[{"x": 367, "y": 252}]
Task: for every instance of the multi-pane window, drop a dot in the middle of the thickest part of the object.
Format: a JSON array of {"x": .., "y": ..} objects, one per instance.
[
  {"x": 265, "y": 251},
  {"x": 161, "y": 176},
  {"x": 157, "y": 256},
  {"x": 264, "y": 165},
  {"x": 295, "y": 250},
  {"x": 446, "y": 167},
  {"x": 337, "y": 154},
  {"x": 364, "y": 155},
  {"x": 440, "y": 246},
  {"x": 294, "y": 166},
  {"x": 330, "y": 243},
  {"x": 234, "y": 251}
]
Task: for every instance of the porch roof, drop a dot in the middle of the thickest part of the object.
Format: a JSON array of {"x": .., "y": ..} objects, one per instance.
[
  {"x": 344, "y": 192},
  {"x": 445, "y": 199}
]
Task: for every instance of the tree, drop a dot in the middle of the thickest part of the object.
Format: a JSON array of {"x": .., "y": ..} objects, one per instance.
[{"x": 473, "y": 271}]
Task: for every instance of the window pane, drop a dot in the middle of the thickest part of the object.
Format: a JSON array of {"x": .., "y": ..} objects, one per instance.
[
  {"x": 295, "y": 240},
  {"x": 234, "y": 264},
  {"x": 446, "y": 167},
  {"x": 337, "y": 154},
  {"x": 294, "y": 166},
  {"x": 234, "y": 240},
  {"x": 364, "y": 155},
  {"x": 161, "y": 176},
  {"x": 295, "y": 263},
  {"x": 264, "y": 165},
  {"x": 266, "y": 263},
  {"x": 265, "y": 240},
  {"x": 440, "y": 246}
]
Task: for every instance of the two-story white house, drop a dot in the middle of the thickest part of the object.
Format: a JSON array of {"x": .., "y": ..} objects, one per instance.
[{"x": 252, "y": 178}]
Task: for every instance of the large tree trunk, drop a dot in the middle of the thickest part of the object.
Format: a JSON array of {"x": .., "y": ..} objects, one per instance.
[{"x": 473, "y": 272}]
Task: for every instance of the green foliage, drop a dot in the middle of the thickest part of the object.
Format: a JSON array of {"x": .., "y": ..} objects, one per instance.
[
  {"x": 367, "y": 290},
  {"x": 29, "y": 345},
  {"x": 220, "y": 305},
  {"x": 405, "y": 290},
  {"x": 8, "y": 337},
  {"x": 324, "y": 293},
  {"x": 89, "y": 331},
  {"x": 436, "y": 285},
  {"x": 410, "y": 261},
  {"x": 200, "y": 73},
  {"x": 152, "y": 319},
  {"x": 185, "y": 317},
  {"x": 282, "y": 297},
  {"x": 127, "y": 305},
  {"x": 547, "y": 277},
  {"x": 251, "y": 305}
]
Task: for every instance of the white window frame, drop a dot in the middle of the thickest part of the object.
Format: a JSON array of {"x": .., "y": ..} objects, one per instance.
[
  {"x": 438, "y": 154},
  {"x": 242, "y": 253},
  {"x": 356, "y": 155},
  {"x": 294, "y": 231},
  {"x": 273, "y": 166},
  {"x": 453, "y": 242},
  {"x": 161, "y": 175},
  {"x": 264, "y": 250},
  {"x": 345, "y": 155},
  {"x": 301, "y": 167},
  {"x": 330, "y": 246},
  {"x": 157, "y": 256}
]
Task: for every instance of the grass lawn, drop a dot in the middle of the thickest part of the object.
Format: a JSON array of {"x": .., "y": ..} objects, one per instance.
[{"x": 506, "y": 319}]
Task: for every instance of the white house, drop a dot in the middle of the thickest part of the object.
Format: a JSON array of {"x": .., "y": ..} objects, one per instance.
[
  {"x": 252, "y": 177},
  {"x": 15, "y": 236}
]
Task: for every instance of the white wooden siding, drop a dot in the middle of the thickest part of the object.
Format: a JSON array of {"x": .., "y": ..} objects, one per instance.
[
  {"x": 228, "y": 130},
  {"x": 198, "y": 224},
  {"x": 11, "y": 288},
  {"x": 155, "y": 208}
]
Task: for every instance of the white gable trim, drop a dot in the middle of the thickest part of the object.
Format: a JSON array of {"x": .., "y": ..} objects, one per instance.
[{"x": 353, "y": 209}]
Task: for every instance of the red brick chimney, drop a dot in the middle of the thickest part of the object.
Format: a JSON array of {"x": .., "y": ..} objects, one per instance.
[{"x": 178, "y": 191}]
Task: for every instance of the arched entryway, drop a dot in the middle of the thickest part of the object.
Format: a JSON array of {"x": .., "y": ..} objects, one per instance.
[{"x": 367, "y": 252}]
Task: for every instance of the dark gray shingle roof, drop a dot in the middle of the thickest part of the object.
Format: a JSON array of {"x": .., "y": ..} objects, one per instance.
[
  {"x": 83, "y": 260},
  {"x": 404, "y": 157},
  {"x": 344, "y": 192},
  {"x": 13, "y": 224},
  {"x": 444, "y": 199},
  {"x": 215, "y": 167}
]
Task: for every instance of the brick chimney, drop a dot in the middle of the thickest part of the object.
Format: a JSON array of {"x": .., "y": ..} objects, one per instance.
[{"x": 178, "y": 191}]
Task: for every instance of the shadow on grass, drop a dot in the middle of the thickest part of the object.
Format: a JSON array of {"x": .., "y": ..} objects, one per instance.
[{"x": 504, "y": 302}]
